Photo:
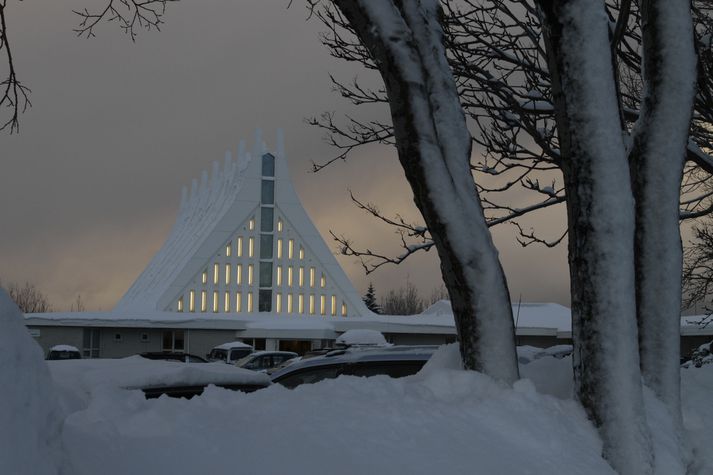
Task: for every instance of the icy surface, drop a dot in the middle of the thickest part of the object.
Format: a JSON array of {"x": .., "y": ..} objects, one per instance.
[
  {"x": 361, "y": 337},
  {"x": 30, "y": 418}
]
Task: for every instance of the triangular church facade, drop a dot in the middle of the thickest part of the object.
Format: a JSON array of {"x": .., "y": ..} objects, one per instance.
[{"x": 243, "y": 243}]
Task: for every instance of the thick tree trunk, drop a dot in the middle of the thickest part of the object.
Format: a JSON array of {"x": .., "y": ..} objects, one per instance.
[
  {"x": 657, "y": 159},
  {"x": 600, "y": 210},
  {"x": 433, "y": 143}
]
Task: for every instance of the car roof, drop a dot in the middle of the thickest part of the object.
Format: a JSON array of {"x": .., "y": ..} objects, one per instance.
[
  {"x": 362, "y": 355},
  {"x": 232, "y": 345},
  {"x": 268, "y": 352}
]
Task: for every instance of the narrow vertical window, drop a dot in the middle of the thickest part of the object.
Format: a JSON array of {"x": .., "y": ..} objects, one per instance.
[
  {"x": 180, "y": 304},
  {"x": 250, "y": 301},
  {"x": 251, "y": 247},
  {"x": 216, "y": 273},
  {"x": 239, "y": 274},
  {"x": 344, "y": 309},
  {"x": 229, "y": 249},
  {"x": 300, "y": 303},
  {"x": 334, "y": 305},
  {"x": 279, "y": 248},
  {"x": 239, "y": 247},
  {"x": 289, "y": 276},
  {"x": 204, "y": 298},
  {"x": 311, "y": 304},
  {"x": 278, "y": 303},
  {"x": 251, "y": 224},
  {"x": 215, "y": 301},
  {"x": 302, "y": 276},
  {"x": 290, "y": 248},
  {"x": 192, "y": 301},
  {"x": 226, "y": 303},
  {"x": 323, "y": 281},
  {"x": 228, "y": 272},
  {"x": 311, "y": 276},
  {"x": 322, "y": 305},
  {"x": 238, "y": 301},
  {"x": 302, "y": 252},
  {"x": 250, "y": 274},
  {"x": 289, "y": 303},
  {"x": 204, "y": 276},
  {"x": 279, "y": 225},
  {"x": 279, "y": 276}
]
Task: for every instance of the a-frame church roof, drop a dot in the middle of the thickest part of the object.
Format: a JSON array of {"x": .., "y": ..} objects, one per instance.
[{"x": 243, "y": 243}]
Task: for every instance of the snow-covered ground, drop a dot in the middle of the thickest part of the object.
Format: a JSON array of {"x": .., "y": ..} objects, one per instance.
[{"x": 440, "y": 421}]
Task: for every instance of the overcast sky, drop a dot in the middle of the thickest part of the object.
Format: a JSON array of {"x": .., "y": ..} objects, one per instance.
[{"x": 90, "y": 187}]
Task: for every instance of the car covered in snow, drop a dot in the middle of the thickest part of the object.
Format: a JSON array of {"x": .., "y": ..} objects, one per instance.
[
  {"x": 230, "y": 352},
  {"x": 393, "y": 361},
  {"x": 264, "y": 361},
  {"x": 63, "y": 352}
]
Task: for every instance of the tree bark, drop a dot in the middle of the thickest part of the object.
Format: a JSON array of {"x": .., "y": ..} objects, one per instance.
[
  {"x": 600, "y": 211},
  {"x": 406, "y": 41}
]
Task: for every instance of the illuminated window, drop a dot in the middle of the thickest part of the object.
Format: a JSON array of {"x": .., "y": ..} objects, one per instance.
[
  {"x": 227, "y": 274},
  {"x": 251, "y": 224},
  {"x": 226, "y": 303},
  {"x": 215, "y": 301},
  {"x": 290, "y": 248},
  {"x": 250, "y": 275},
  {"x": 204, "y": 298},
  {"x": 279, "y": 275},
  {"x": 278, "y": 303},
  {"x": 251, "y": 247},
  {"x": 322, "y": 304},
  {"x": 204, "y": 277},
  {"x": 250, "y": 301},
  {"x": 334, "y": 305},
  {"x": 229, "y": 249},
  {"x": 238, "y": 301},
  {"x": 300, "y": 303},
  {"x": 289, "y": 276},
  {"x": 279, "y": 225},
  {"x": 302, "y": 252},
  {"x": 302, "y": 276},
  {"x": 289, "y": 303},
  {"x": 239, "y": 274},
  {"x": 192, "y": 301},
  {"x": 239, "y": 247},
  {"x": 344, "y": 309},
  {"x": 279, "y": 248},
  {"x": 311, "y": 304},
  {"x": 311, "y": 276},
  {"x": 216, "y": 273},
  {"x": 323, "y": 281},
  {"x": 180, "y": 304}
]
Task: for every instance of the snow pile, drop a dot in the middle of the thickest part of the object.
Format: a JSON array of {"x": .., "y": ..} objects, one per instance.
[
  {"x": 439, "y": 421},
  {"x": 358, "y": 337},
  {"x": 696, "y": 391},
  {"x": 30, "y": 419}
]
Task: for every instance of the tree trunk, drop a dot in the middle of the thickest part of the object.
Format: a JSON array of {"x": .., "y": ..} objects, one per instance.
[
  {"x": 657, "y": 159},
  {"x": 600, "y": 211},
  {"x": 406, "y": 41}
]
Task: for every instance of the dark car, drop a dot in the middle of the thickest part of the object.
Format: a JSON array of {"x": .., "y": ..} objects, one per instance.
[
  {"x": 172, "y": 356},
  {"x": 64, "y": 352},
  {"x": 263, "y": 361},
  {"x": 395, "y": 361}
]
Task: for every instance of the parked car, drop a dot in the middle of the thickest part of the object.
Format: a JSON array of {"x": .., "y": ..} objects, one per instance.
[
  {"x": 395, "y": 361},
  {"x": 230, "y": 352},
  {"x": 263, "y": 361},
  {"x": 172, "y": 356},
  {"x": 64, "y": 352}
]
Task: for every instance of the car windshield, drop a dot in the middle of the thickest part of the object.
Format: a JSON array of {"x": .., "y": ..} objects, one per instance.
[
  {"x": 218, "y": 355},
  {"x": 243, "y": 361}
]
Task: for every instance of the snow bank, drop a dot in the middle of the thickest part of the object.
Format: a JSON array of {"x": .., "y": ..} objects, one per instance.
[
  {"x": 361, "y": 337},
  {"x": 30, "y": 419}
]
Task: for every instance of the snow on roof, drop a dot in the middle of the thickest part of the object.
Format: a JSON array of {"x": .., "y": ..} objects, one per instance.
[
  {"x": 64, "y": 348},
  {"x": 361, "y": 337}
]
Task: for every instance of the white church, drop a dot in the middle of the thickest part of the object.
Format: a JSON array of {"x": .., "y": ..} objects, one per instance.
[{"x": 245, "y": 262}]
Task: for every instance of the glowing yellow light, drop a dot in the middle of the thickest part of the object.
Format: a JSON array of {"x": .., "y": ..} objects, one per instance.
[
  {"x": 289, "y": 303},
  {"x": 311, "y": 276},
  {"x": 311, "y": 304},
  {"x": 192, "y": 301},
  {"x": 239, "y": 274},
  {"x": 180, "y": 304},
  {"x": 289, "y": 276},
  {"x": 279, "y": 275},
  {"x": 322, "y": 304},
  {"x": 279, "y": 225},
  {"x": 250, "y": 301},
  {"x": 278, "y": 303},
  {"x": 290, "y": 248},
  {"x": 251, "y": 224},
  {"x": 300, "y": 303},
  {"x": 344, "y": 309},
  {"x": 250, "y": 274},
  {"x": 229, "y": 249},
  {"x": 334, "y": 305},
  {"x": 279, "y": 248},
  {"x": 302, "y": 252},
  {"x": 302, "y": 276},
  {"x": 227, "y": 274},
  {"x": 239, "y": 247},
  {"x": 216, "y": 273},
  {"x": 226, "y": 304},
  {"x": 238, "y": 301},
  {"x": 251, "y": 247},
  {"x": 215, "y": 301},
  {"x": 204, "y": 297}
]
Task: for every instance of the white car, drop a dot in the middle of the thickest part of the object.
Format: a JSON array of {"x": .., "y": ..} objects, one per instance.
[{"x": 230, "y": 352}]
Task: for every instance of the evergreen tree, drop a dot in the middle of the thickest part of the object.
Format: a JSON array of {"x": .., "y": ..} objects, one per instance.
[{"x": 370, "y": 299}]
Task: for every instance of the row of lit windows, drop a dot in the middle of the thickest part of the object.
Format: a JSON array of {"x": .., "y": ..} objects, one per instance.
[
  {"x": 290, "y": 306},
  {"x": 250, "y": 270},
  {"x": 251, "y": 248}
]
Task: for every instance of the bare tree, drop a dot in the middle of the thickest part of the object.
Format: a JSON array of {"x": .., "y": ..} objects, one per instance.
[
  {"x": 28, "y": 298},
  {"x": 404, "y": 301},
  {"x": 14, "y": 96},
  {"x": 78, "y": 305}
]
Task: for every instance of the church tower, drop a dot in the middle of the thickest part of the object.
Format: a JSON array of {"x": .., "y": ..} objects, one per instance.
[{"x": 243, "y": 243}]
